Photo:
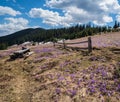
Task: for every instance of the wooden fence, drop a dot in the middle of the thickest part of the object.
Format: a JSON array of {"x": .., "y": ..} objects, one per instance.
[{"x": 64, "y": 44}]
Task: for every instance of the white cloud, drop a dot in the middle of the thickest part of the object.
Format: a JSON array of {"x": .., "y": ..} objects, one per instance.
[
  {"x": 111, "y": 6},
  {"x": 12, "y": 25},
  {"x": 7, "y": 10},
  {"x": 77, "y": 11},
  {"x": 50, "y": 17},
  {"x": 107, "y": 18},
  {"x": 118, "y": 18}
]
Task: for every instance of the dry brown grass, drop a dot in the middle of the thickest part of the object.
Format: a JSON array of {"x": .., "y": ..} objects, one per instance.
[{"x": 51, "y": 74}]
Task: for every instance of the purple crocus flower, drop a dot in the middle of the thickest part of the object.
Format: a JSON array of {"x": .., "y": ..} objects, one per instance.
[
  {"x": 118, "y": 88},
  {"x": 104, "y": 73},
  {"x": 72, "y": 92},
  {"x": 58, "y": 91},
  {"x": 61, "y": 78}
]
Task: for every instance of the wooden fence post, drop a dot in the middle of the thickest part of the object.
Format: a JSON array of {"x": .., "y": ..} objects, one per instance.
[
  {"x": 64, "y": 43},
  {"x": 89, "y": 45}
]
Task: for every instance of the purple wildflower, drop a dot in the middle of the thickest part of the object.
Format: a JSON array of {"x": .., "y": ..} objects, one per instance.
[
  {"x": 104, "y": 73},
  {"x": 58, "y": 91},
  {"x": 61, "y": 78},
  {"x": 91, "y": 75},
  {"x": 118, "y": 87},
  {"x": 79, "y": 81},
  {"x": 72, "y": 92},
  {"x": 72, "y": 76}
]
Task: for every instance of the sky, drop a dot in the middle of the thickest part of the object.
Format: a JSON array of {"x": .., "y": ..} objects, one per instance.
[{"x": 16, "y": 15}]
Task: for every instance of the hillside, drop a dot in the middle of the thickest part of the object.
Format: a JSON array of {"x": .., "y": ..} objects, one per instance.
[
  {"x": 45, "y": 35},
  {"x": 101, "y": 40},
  {"x": 21, "y": 36},
  {"x": 54, "y": 74}
]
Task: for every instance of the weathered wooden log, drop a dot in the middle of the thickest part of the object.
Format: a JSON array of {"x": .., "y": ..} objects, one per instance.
[
  {"x": 19, "y": 53},
  {"x": 22, "y": 51}
]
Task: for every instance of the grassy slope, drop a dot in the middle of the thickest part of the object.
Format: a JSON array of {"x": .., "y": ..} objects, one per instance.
[{"x": 57, "y": 75}]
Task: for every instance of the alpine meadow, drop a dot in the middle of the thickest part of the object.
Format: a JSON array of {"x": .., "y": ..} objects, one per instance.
[{"x": 59, "y": 51}]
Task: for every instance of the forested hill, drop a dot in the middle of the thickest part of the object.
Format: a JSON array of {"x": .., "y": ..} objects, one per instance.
[
  {"x": 40, "y": 34},
  {"x": 21, "y": 36}
]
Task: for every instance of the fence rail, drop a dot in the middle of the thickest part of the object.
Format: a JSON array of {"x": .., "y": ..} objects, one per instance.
[
  {"x": 73, "y": 43},
  {"x": 64, "y": 44}
]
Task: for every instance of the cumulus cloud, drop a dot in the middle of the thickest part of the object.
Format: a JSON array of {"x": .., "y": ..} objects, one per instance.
[
  {"x": 13, "y": 24},
  {"x": 77, "y": 11},
  {"x": 49, "y": 17},
  {"x": 9, "y": 11},
  {"x": 118, "y": 18}
]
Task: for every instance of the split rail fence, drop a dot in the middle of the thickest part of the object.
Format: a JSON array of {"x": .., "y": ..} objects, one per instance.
[{"x": 64, "y": 44}]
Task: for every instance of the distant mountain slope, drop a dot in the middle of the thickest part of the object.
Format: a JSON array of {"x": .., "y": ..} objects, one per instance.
[
  {"x": 21, "y": 36},
  {"x": 40, "y": 34}
]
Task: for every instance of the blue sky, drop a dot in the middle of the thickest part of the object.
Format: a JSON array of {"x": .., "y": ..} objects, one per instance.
[{"x": 16, "y": 15}]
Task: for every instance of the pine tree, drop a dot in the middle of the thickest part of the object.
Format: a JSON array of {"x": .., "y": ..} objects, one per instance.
[{"x": 116, "y": 25}]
